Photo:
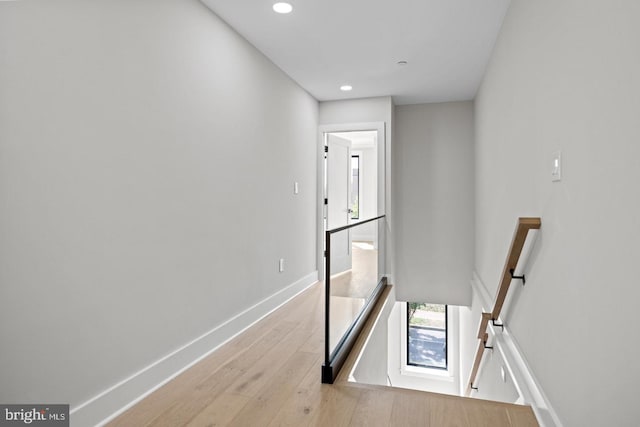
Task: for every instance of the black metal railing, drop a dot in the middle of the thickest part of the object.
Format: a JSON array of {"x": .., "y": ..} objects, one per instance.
[{"x": 352, "y": 263}]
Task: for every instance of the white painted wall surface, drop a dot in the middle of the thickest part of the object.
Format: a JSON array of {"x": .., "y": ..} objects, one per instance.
[
  {"x": 147, "y": 161},
  {"x": 434, "y": 202},
  {"x": 490, "y": 383},
  {"x": 372, "y": 364},
  {"x": 564, "y": 76}
]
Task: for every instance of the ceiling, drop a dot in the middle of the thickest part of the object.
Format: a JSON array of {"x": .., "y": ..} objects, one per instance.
[{"x": 324, "y": 44}]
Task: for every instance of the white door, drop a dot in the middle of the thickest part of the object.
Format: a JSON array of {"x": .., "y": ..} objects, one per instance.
[{"x": 338, "y": 196}]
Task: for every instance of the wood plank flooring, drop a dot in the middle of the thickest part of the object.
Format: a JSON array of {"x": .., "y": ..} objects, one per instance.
[{"x": 270, "y": 376}]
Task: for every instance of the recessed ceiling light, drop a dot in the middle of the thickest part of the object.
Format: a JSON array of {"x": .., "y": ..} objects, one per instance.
[
  {"x": 402, "y": 63},
  {"x": 346, "y": 88},
  {"x": 282, "y": 7}
]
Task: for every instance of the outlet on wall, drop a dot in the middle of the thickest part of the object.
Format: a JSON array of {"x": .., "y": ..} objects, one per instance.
[{"x": 281, "y": 265}]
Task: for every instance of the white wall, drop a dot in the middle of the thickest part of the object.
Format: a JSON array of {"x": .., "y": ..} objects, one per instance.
[
  {"x": 491, "y": 385},
  {"x": 564, "y": 75},
  {"x": 372, "y": 364},
  {"x": 434, "y": 202},
  {"x": 147, "y": 161}
]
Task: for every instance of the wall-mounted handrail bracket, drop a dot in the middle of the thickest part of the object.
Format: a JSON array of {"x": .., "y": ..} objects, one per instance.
[
  {"x": 484, "y": 339},
  {"x": 512, "y": 271},
  {"x": 500, "y": 325}
]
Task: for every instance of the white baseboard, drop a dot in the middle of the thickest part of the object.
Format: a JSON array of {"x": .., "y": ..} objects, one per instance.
[
  {"x": 526, "y": 384},
  {"x": 107, "y": 405}
]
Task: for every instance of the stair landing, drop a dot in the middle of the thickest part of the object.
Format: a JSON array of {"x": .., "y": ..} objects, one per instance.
[{"x": 270, "y": 376}]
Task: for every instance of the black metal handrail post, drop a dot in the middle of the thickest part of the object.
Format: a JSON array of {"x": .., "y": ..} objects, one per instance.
[{"x": 327, "y": 295}]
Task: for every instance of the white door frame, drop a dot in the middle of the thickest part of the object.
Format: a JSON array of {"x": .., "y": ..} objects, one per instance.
[{"x": 379, "y": 127}]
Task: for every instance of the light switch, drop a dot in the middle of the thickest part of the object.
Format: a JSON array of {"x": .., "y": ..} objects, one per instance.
[
  {"x": 556, "y": 167},
  {"x": 281, "y": 265},
  {"x": 295, "y": 188}
]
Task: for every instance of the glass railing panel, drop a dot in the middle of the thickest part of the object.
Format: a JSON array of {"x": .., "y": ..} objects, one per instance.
[{"x": 355, "y": 269}]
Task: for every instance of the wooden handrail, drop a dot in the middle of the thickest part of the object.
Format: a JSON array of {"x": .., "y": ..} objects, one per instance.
[
  {"x": 519, "y": 238},
  {"x": 484, "y": 321},
  {"x": 476, "y": 366}
]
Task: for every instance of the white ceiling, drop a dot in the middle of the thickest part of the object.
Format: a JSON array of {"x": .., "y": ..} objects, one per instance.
[{"x": 324, "y": 44}]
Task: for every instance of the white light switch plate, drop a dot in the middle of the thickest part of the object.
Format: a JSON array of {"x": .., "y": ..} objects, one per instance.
[
  {"x": 295, "y": 188},
  {"x": 556, "y": 167}
]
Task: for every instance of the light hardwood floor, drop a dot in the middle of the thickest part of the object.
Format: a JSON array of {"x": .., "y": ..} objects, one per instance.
[{"x": 270, "y": 376}]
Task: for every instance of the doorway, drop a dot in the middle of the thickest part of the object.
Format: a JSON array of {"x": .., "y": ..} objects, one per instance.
[{"x": 358, "y": 162}]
